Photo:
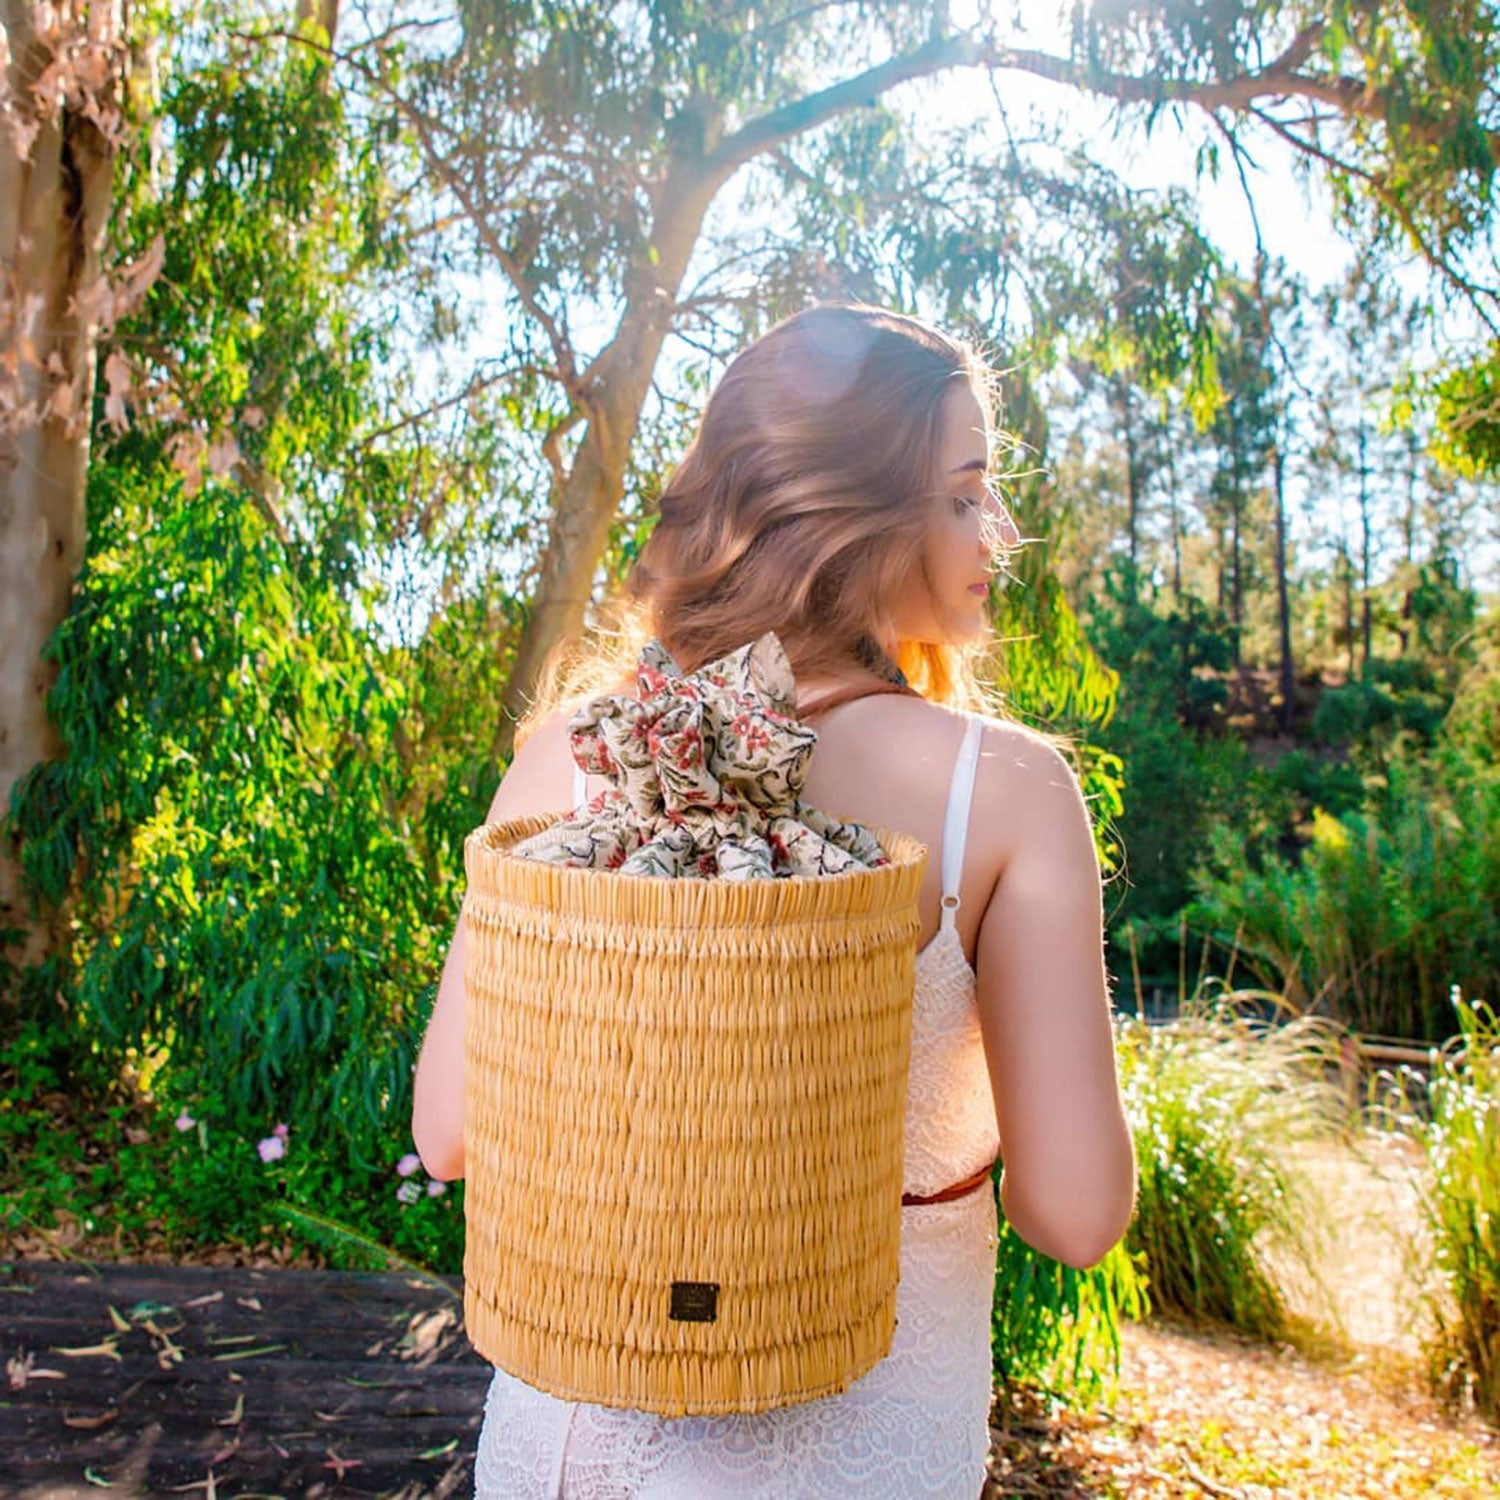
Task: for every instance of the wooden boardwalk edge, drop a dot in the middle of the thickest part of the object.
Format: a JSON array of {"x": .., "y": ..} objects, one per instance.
[{"x": 225, "y": 1382}]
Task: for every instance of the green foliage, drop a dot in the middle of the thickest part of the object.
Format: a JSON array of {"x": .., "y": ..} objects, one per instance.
[
  {"x": 1387, "y": 908},
  {"x": 258, "y": 855},
  {"x": 83, "y": 1145},
  {"x": 1179, "y": 780},
  {"x": 1468, "y": 414},
  {"x": 1454, "y": 1116},
  {"x": 1217, "y": 1102},
  {"x": 1398, "y": 705},
  {"x": 224, "y": 824},
  {"x": 1057, "y": 1328}
]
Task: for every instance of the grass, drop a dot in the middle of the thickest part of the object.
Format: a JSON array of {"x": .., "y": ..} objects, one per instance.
[
  {"x": 1218, "y": 1100},
  {"x": 1340, "y": 1407},
  {"x": 1453, "y": 1118}
]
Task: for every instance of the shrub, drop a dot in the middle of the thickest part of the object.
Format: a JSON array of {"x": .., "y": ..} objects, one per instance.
[
  {"x": 1455, "y": 1118},
  {"x": 1215, "y": 1099},
  {"x": 1387, "y": 907}
]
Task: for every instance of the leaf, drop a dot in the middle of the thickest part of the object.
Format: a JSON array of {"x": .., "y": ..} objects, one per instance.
[
  {"x": 106, "y": 1348},
  {"x": 89, "y": 1424}
]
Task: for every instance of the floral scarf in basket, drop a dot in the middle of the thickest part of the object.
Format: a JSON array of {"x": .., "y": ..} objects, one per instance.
[{"x": 708, "y": 768}]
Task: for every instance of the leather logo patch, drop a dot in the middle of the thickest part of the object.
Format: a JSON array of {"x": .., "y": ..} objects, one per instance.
[{"x": 695, "y": 1301}]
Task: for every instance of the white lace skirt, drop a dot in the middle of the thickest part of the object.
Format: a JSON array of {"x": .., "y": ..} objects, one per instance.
[{"x": 917, "y": 1424}]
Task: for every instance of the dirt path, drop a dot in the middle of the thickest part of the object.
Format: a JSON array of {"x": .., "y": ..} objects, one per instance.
[{"x": 1211, "y": 1413}]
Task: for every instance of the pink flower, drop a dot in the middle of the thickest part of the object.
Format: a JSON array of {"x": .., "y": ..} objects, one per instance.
[
  {"x": 436, "y": 1189},
  {"x": 280, "y": 1132},
  {"x": 184, "y": 1121},
  {"x": 273, "y": 1148},
  {"x": 408, "y": 1192},
  {"x": 408, "y": 1164}
]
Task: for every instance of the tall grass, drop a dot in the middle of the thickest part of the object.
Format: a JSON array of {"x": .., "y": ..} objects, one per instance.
[
  {"x": 1218, "y": 1103},
  {"x": 1057, "y": 1329},
  {"x": 1454, "y": 1116}
]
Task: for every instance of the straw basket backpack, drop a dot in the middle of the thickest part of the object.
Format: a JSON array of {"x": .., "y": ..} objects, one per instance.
[{"x": 688, "y": 1032}]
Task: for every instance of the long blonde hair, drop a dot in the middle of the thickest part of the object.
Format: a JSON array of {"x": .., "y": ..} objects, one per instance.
[{"x": 799, "y": 507}]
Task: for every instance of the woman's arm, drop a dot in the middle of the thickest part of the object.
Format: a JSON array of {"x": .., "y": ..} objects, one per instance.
[
  {"x": 437, "y": 1119},
  {"x": 1068, "y": 1186}
]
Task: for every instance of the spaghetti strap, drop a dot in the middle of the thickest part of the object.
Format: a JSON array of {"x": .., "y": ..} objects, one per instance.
[{"x": 956, "y": 822}]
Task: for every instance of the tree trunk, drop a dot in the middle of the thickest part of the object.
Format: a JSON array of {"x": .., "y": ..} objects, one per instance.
[
  {"x": 1348, "y": 572},
  {"x": 1171, "y": 453},
  {"x": 1236, "y": 597},
  {"x": 54, "y": 205},
  {"x": 1236, "y": 504},
  {"x": 1283, "y": 597},
  {"x": 324, "y": 12},
  {"x": 1132, "y": 475},
  {"x": 590, "y": 494},
  {"x": 1364, "y": 569}
]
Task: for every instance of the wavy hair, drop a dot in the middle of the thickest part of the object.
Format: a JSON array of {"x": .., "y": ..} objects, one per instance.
[{"x": 800, "y": 506}]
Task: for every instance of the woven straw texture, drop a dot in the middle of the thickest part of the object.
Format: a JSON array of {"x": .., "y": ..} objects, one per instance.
[{"x": 693, "y": 1082}]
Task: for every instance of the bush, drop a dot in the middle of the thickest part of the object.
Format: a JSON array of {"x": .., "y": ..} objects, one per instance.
[
  {"x": 87, "y": 1149},
  {"x": 1214, "y": 1101},
  {"x": 1455, "y": 1118},
  {"x": 1386, "y": 908}
]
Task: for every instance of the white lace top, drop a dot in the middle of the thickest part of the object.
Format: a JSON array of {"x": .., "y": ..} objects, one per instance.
[{"x": 917, "y": 1423}]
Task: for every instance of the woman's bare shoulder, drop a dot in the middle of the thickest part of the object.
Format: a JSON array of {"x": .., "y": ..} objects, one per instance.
[
  {"x": 1025, "y": 788},
  {"x": 1012, "y": 745}
]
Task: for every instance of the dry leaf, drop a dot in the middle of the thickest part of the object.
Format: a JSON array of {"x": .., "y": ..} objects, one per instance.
[
  {"x": 88, "y": 1424},
  {"x": 106, "y": 1348}
]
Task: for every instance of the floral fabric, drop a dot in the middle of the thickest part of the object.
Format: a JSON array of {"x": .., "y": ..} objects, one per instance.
[{"x": 708, "y": 769}]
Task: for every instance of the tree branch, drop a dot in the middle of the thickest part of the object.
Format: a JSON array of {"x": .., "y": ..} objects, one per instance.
[
  {"x": 1351, "y": 96},
  {"x": 1478, "y": 295},
  {"x": 471, "y": 387},
  {"x": 426, "y": 128},
  {"x": 790, "y": 120}
]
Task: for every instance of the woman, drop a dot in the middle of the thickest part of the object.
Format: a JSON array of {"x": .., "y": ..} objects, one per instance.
[{"x": 838, "y": 493}]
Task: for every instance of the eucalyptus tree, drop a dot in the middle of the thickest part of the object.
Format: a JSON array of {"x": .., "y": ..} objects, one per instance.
[
  {"x": 243, "y": 858},
  {"x": 62, "y": 114}
]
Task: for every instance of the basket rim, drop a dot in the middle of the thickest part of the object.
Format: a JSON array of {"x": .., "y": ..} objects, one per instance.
[{"x": 863, "y": 894}]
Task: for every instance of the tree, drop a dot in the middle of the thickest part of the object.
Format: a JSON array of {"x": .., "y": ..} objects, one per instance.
[
  {"x": 62, "y": 117},
  {"x": 660, "y": 110}
]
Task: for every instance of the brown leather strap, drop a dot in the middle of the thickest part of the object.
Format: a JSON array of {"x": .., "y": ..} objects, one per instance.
[
  {"x": 856, "y": 690},
  {"x": 958, "y": 1190}
]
